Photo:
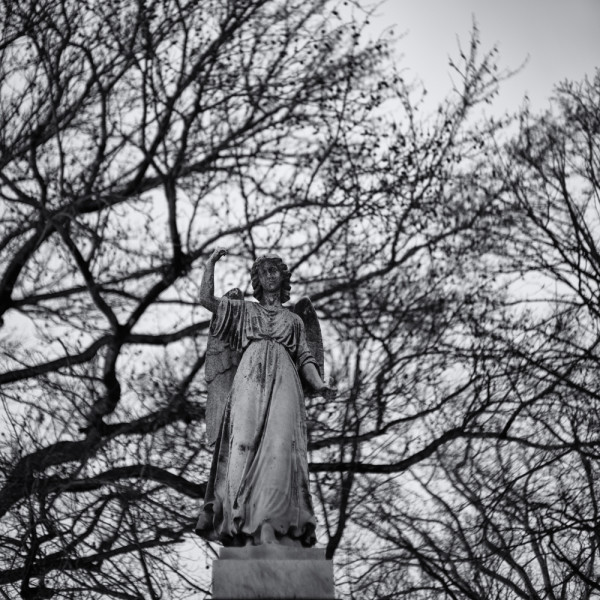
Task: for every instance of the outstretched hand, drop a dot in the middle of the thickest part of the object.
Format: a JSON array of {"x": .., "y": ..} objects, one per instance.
[
  {"x": 329, "y": 392},
  {"x": 217, "y": 254}
]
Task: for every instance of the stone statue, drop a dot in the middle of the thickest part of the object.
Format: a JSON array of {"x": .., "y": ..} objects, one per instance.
[{"x": 259, "y": 355}]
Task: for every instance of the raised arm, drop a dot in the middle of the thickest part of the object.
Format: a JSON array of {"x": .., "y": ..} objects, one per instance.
[{"x": 207, "y": 287}]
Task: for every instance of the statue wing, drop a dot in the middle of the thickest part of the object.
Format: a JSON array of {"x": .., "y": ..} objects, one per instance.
[
  {"x": 305, "y": 309},
  {"x": 221, "y": 365}
]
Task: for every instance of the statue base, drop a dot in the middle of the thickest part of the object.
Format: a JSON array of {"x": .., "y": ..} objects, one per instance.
[{"x": 272, "y": 571}]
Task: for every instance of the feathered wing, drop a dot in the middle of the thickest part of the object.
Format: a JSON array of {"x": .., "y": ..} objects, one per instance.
[
  {"x": 221, "y": 365},
  {"x": 305, "y": 309}
]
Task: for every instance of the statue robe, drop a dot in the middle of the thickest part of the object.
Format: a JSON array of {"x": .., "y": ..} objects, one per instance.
[{"x": 259, "y": 471}]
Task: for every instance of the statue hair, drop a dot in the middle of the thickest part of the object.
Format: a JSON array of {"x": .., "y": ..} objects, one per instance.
[{"x": 284, "y": 292}]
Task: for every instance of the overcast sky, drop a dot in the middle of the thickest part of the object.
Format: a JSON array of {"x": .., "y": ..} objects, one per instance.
[{"x": 560, "y": 37}]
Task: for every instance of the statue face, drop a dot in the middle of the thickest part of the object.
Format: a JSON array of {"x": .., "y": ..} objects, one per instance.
[{"x": 270, "y": 277}]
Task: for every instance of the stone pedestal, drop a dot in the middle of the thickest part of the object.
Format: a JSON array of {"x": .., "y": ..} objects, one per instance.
[{"x": 272, "y": 571}]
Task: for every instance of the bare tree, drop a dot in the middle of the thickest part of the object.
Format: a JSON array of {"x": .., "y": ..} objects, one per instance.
[
  {"x": 510, "y": 508},
  {"x": 136, "y": 136}
]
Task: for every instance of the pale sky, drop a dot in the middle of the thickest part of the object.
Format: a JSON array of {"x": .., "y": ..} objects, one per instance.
[{"x": 560, "y": 37}]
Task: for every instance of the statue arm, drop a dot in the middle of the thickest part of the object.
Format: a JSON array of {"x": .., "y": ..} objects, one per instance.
[
  {"x": 310, "y": 373},
  {"x": 207, "y": 287},
  {"x": 311, "y": 344}
]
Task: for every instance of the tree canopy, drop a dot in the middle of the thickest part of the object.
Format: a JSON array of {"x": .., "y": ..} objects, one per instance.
[{"x": 453, "y": 262}]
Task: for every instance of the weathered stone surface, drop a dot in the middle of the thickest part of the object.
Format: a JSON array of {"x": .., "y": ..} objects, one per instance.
[
  {"x": 259, "y": 356},
  {"x": 272, "y": 552},
  {"x": 272, "y": 571}
]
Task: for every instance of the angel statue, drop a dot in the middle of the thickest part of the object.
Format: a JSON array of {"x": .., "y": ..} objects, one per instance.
[{"x": 258, "y": 356}]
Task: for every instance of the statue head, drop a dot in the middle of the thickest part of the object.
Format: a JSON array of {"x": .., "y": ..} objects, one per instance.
[{"x": 275, "y": 260}]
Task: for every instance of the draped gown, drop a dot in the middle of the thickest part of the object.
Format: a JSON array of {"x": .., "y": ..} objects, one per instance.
[{"x": 259, "y": 471}]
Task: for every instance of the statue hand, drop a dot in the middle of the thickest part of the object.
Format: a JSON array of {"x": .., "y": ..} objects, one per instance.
[
  {"x": 329, "y": 392},
  {"x": 217, "y": 254}
]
